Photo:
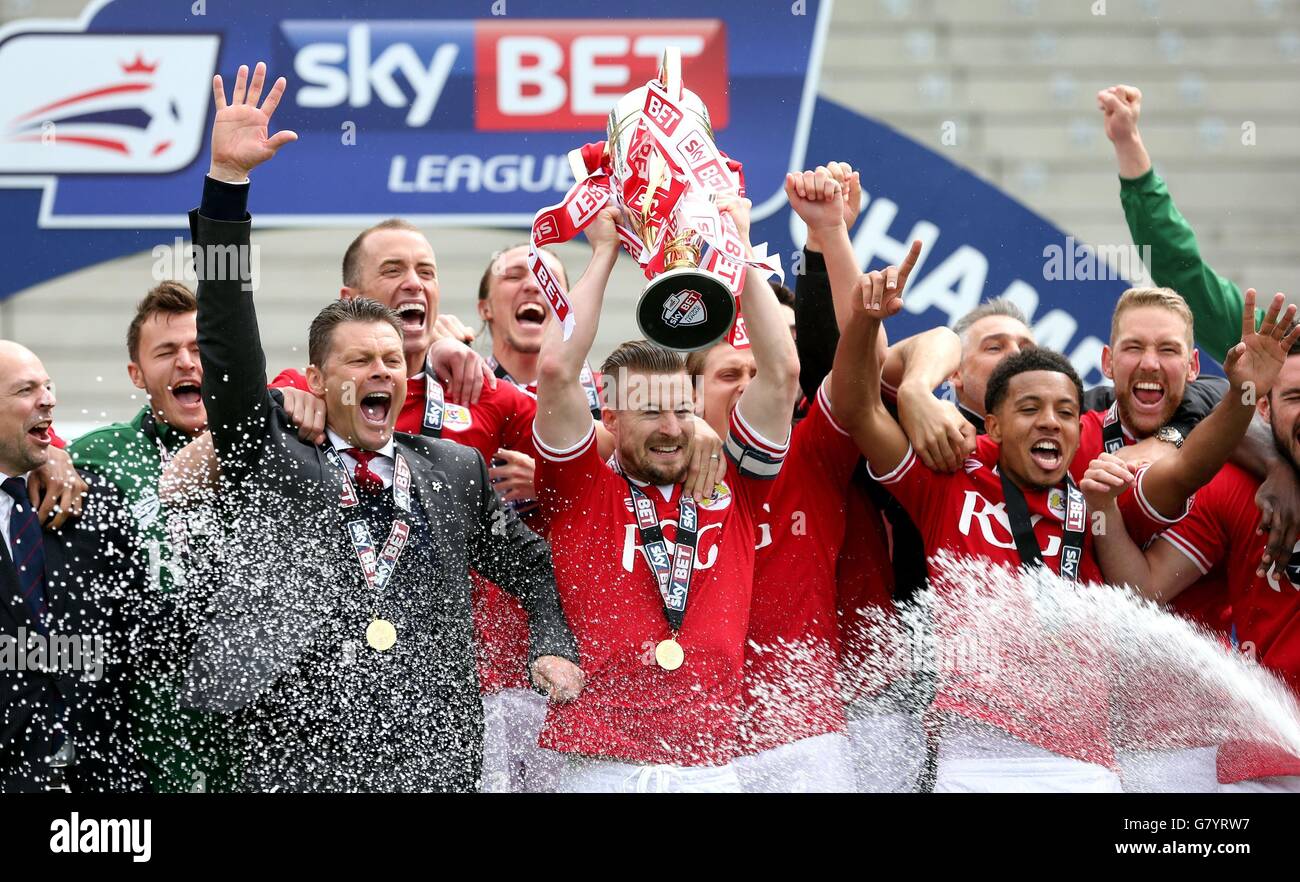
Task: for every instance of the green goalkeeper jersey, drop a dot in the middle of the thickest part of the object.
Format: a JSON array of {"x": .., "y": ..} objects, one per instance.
[{"x": 182, "y": 750}]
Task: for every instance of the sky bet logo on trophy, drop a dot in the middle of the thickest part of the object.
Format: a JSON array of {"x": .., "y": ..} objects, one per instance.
[{"x": 661, "y": 168}]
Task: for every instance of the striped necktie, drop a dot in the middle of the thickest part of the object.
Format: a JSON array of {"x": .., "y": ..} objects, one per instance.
[{"x": 26, "y": 543}]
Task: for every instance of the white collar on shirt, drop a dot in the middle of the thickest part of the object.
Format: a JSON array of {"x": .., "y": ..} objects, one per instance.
[
  {"x": 6, "y": 509},
  {"x": 389, "y": 450},
  {"x": 665, "y": 490}
]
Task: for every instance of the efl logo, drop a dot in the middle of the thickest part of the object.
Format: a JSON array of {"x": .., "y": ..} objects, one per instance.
[
  {"x": 104, "y": 104},
  {"x": 568, "y": 74}
]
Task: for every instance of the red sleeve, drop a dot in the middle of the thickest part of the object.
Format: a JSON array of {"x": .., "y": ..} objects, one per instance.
[
  {"x": 819, "y": 435},
  {"x": 502, "y": 418},
  {"x": 565, "y": 476},
  {"x": 1205, "y": 534},
  {"x": 1141, "y": 519},
  {"x": 920, "y": 490},
  {"x": 752, "y": 455},
  {"x": 290, "y": 379}
]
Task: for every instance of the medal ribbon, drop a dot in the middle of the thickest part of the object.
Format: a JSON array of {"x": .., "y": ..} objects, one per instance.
[
  {"x": 434, "y": 403},
  {"x": 672, "y": 573},
  {"x": 1023, "y": 531},
  {"x": 149, "y": 428},
  {"x": 1112, "y": 430},
  {"x": 376, "y": 570}
]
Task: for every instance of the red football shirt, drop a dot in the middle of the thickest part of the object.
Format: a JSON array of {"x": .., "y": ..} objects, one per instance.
[
  {"x": 631, "y": 709},
  {"x": 1063, "y": 708},
  {"x": 1220, "y": 533},
  {"x": 873, "y": 649},
  {"x": 791, "y": 653}
]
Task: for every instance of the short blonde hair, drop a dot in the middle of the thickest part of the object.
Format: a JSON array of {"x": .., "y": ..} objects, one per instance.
[{"x": 1164, "y": 298}]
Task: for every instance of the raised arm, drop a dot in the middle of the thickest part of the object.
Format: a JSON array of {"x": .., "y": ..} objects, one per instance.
[
  {"x": 769, "y": 398},
  {"x": 1166, "y": 239},
  {"x": 855, "y": 382},
  {"x": 1161, "y": 572},
  {"x": 1252, "y": 366},
  {"x": 230, "y": 346},
  {"x": 915, "y": 367},
  {"x": 814, "y": 305},
  {"x": 563, "y": 416}
]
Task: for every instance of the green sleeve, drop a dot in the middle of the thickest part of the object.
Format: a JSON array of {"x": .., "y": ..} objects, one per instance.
[
  {"x": 1168, "y": 246},
  {"x": 92, "y": 451}
]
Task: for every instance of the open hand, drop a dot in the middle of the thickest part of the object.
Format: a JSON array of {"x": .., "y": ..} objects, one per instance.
[{"x": 239, "y": 131}]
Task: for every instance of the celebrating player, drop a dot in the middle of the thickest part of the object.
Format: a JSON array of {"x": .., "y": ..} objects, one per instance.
[{"x": 657, "y": 586}]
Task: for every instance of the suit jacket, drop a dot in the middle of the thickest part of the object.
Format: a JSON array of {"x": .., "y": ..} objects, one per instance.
[
  {"x": 269, "y": 643},
  {"x": 94, "y": 577}
]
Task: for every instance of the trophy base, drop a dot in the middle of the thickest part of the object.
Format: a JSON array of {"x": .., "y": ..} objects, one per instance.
[{"x": 686, "y": 309}]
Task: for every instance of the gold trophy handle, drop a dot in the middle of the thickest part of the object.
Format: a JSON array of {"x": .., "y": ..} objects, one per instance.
[{"x": 670, "y": 72}]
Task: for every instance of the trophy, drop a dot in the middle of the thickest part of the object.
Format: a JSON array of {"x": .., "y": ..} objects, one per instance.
[
  {"x": 683, "y": 307},
  {"x": 660, "y": 168}
]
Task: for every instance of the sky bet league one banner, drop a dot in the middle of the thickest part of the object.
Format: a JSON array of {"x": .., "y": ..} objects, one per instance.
[{"x": 449, "y": 115}]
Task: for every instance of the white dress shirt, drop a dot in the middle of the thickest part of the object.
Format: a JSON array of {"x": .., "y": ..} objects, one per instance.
[
  {"x": 382, "y": 465},
  {"x": 6, "y": 512}
]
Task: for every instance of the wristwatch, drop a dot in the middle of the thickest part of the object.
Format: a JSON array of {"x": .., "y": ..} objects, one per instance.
[{"x": 1170, "y": 435}]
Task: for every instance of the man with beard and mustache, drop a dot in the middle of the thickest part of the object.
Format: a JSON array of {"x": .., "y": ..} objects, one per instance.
[
  {"x": 181, "y": 749},
  {"x": 1218, "y": 543},
  {"x": 995, "y": 737},
  {"x": 341, "y": 640},
  {"x": 516, "y": 315},
  {"x": 656, "y": 585}
]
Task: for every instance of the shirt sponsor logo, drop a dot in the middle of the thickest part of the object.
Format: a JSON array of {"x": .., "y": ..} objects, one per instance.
[
  {"x": 145, "y": 511},
  {"x": 720, "y": 498},
  {"x": 706, "y": 545},
  {"x": 456, "y": 417},
  {"x": 994, "y": 525}
]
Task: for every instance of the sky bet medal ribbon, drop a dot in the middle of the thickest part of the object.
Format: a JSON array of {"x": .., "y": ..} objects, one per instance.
[
  {"x": 378, "y": 568},
  {"x": 672, "y": 573},
  {"x": 662, "y": 170}
]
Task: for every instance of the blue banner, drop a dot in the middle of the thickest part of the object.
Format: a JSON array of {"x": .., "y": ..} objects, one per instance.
[{"x": 413, "y": 109}]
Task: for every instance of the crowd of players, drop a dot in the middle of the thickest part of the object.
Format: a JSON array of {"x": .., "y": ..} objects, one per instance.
[{"x": 695, "y": 618}]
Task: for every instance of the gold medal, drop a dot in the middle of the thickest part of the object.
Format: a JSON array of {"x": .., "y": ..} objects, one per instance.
[
  {"x": 669, "y": 654},
  {"x": 381, "y": 635}
]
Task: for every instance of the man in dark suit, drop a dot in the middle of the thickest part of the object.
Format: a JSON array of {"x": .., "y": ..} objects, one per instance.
[
  {"x": 64, "y": 597},
  {"x": 339, "y": 636}
]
